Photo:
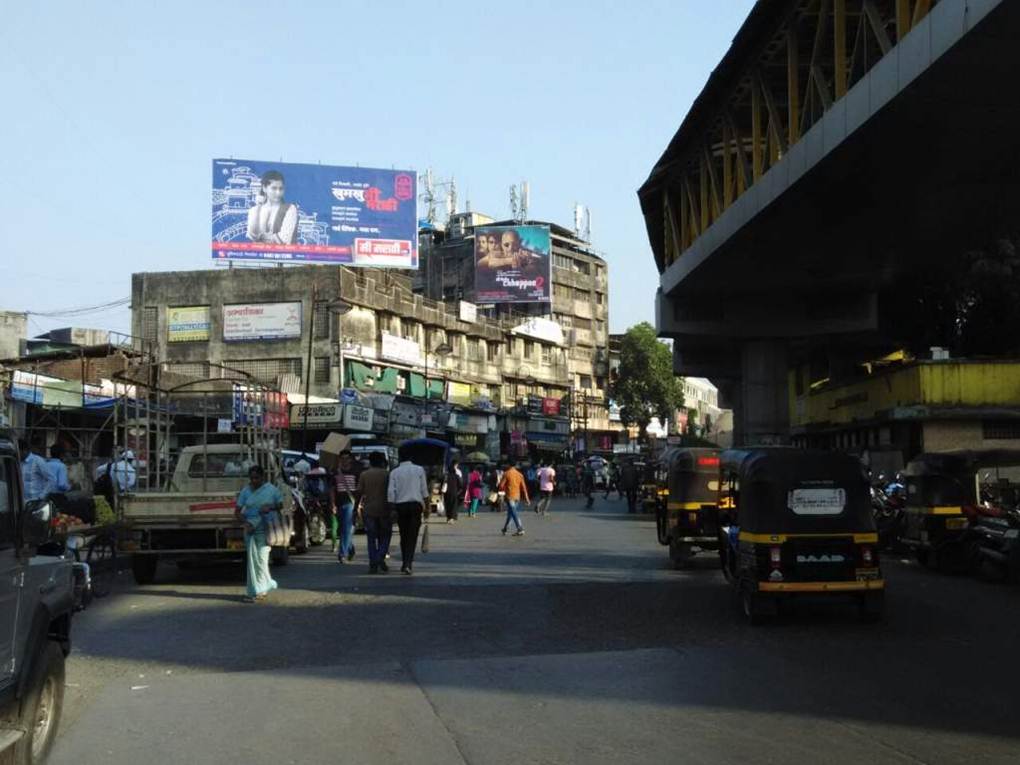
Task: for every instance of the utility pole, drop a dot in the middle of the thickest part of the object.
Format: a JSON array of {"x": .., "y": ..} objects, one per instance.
[{"x": 308, "y": 367}]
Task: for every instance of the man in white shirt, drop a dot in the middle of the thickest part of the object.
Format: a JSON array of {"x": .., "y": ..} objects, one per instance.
[
  {"x": 546, "y": 487},
  {"x": 408, "y": 490}
]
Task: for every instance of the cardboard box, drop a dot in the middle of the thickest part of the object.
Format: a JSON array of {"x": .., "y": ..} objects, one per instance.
[{"x": 329, "y": 454}]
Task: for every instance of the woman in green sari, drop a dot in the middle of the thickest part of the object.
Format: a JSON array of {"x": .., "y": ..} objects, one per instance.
[{"x": 254, "y": 503}]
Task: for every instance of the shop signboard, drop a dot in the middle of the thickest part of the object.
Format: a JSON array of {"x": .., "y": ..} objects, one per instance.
[
  {"x": 458, "y": 393},
  {"x": 187, "y": 324},
  {"x": 540, "y": 328},
  {"x": 261, "y": 321},
  {"x": 318, "y": 414},
  {"x": 283, "y": 212},
  {"x": 551, "y": 406},
  {"x": 467, "y": 311},
  {"x": 358, "y": 417},
  {"x": 400, "y": 349},
  {"x": 513, "y": 264}
]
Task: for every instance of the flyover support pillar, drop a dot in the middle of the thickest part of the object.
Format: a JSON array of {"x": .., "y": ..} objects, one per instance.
[{"x": 762, "y": 415}]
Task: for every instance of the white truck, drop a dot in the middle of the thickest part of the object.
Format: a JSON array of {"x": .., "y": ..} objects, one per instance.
[{"x": 193, "y": 517}]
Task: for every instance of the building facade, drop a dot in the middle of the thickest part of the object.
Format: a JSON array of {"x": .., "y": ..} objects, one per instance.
[
  {"x": 422, "y": 366},
  {"x": 579, "y": 311}
]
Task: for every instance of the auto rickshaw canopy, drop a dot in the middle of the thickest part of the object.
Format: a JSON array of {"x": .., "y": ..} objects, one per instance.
[
  {"x": 781, "y": 490},
  {"x": 692, "y": 474},
  {"x": 950, "y": 478}
]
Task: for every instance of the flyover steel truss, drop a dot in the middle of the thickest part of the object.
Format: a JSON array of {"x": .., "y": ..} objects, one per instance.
[{"x": 802, "y": 58}]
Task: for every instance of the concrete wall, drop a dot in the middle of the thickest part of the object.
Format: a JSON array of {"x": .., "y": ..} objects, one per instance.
[
  {"x": 944, "y": 436},
  {"x": 13, "y": 332}
]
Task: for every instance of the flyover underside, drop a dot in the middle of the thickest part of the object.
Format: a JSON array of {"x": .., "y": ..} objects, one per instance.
[{"x": 934, "y": 172}]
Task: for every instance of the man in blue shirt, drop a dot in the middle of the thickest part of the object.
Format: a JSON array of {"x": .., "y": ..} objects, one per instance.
[
  {"x": 58, "y": 470},
  {"x": 35, "y": 473}
]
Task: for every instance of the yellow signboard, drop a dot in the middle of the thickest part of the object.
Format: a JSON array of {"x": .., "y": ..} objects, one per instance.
[
  {"x": 458, "y": 393},
  {"x": 187, "y": 324}
]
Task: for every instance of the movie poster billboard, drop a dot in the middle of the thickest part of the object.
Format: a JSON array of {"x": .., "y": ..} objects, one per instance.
[
  {"x": 282, "y": 212},
  {"x": 513, "y": 264}
]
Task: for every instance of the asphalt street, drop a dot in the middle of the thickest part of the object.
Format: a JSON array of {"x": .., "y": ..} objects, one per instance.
[{"x": 574, "y": 643}]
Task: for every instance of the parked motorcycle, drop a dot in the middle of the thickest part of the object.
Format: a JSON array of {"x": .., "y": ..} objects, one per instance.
[
  {"x": 888, "y": 504},
  {"x": 995, "y": 540}
]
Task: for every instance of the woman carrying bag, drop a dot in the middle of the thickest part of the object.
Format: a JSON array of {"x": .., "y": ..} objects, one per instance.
[
  {"x": 255, "y": 504},
  {"x": 451, "y": 499},
  {"x": 473, "y": 495}
]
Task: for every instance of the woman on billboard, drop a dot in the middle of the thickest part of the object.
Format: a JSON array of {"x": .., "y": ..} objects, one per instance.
[{"x": 272, "y": 220}]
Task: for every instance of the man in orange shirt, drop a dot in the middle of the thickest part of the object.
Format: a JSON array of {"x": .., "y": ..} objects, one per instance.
[{"x": 514, "y": 485}]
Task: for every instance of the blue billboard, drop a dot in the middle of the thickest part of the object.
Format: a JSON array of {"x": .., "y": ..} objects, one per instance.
[{"x": 284, "y": 212}]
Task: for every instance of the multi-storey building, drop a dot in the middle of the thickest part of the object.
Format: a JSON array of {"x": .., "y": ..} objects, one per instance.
[
  {"x": 578, "y": 313},
  {"x": 424, "y": 366}
]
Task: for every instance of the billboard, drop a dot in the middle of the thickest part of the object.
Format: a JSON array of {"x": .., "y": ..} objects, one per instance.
[
  {"x": 261, "y": 321},
  {"x": 187, "y": 324},
  {"x": 285, "y": 212},
  {"x": 513, "y": 264},
  {"x": 396, "y": 348}
]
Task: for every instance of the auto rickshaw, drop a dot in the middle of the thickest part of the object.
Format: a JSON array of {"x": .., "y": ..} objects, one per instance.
[
  {"x": 943, "y": 504},
  {"x": 798, "y": 523},
  {"x": 687, "y": 518},
  {"x": 648, "y": 489}
]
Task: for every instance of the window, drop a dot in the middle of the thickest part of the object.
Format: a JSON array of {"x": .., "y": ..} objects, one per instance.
[
  {"x": 509, "y": 346},
  {"x": 492, "y": 351},
  {"x": 321, "y": 369},
  {"x": 581, "y": 295},
  {"x": 219, "y": 465},
  {"x": 585, "y": 383},
  {"x": 582, "y": 323},
  {"x": 474, "y": 348},
  {"x": 561, "y": 261},
  {"x": 600, "y": 326},
  {"x": 150, "y": 323},
  {"x": 600, "y": 298},
  {"x": 408, "y": 329},
  {"x": 582, "y": 267},
  {"x": 529, "y": 349},
  {"x": 546, "y": 354},
  {"x": 267, "y": 371},
  {"x": 600, "y": 383},
  {"x": 1000, "y": 430},
  {"x": 320, "y": 321}
]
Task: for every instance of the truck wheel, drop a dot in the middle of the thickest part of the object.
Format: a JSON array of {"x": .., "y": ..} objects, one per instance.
[
  {"x": 279, "y": 556},
  {"x": 144, "y": 568},
  {"x": 39, "y": 713}
]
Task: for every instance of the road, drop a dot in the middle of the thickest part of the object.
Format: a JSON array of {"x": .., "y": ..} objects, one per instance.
[{"x": 575, "y": 643}]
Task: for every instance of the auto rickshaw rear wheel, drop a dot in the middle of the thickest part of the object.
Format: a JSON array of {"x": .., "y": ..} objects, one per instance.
[
  {"x": 680, "y": 554},
  {"x": 757, "y": 608}
]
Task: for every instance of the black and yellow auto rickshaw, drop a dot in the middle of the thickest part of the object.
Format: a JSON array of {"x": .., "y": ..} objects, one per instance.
[
  {"x": 798, "y": 523},
  {"x": 943, "y": 496},
  {"x": 688, "y": 518},
  {"x": 648, "y": 489}
]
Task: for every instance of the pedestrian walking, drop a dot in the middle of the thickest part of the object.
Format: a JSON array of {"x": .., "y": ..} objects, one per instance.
[
  {"x": 546, "y": 485},
  {"x": 452, "y": 494},
  {"x": 408, "y": 491},
  {"x": 629, "y": 481},
  {"x": 345, "y": 485},
  {"x": 474, "y": 492},
  {"x": 373, "y": 491},
  {"x": 515, "y": 486},
  {"x": 588, "y": 484},
  {"x": 254, "y": 503}
]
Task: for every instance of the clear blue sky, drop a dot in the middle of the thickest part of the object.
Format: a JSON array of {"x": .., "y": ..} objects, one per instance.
[{"x": 113, "y": 111}]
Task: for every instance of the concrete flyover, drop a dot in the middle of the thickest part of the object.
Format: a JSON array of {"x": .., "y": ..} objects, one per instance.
[{"x": 839, "y": 146}]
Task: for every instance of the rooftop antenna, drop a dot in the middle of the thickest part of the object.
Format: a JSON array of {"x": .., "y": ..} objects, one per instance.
[
  {"x": 525, "y": 200},
  {"x": 587, "y": 225},
  {"x": 578, "y": 219},
  {"x": 451, "y": 199},
  {"x": 515, "y": 203},
  {"x": 428, "y": 196}
]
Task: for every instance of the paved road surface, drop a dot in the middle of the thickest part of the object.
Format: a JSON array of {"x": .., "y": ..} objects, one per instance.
[{"x": 575, "y": 643}]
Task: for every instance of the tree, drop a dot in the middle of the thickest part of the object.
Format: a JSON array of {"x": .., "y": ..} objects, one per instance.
[{"x": 646, "y": 386}]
